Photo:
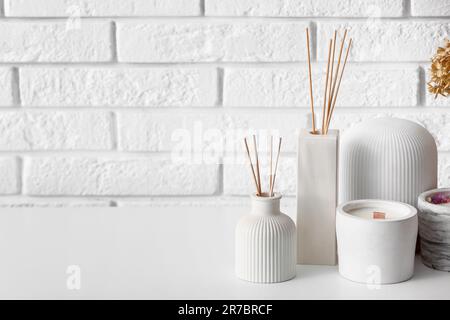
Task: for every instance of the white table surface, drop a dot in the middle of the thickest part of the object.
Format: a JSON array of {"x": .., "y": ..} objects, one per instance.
[{"x": 160, "y": 253}]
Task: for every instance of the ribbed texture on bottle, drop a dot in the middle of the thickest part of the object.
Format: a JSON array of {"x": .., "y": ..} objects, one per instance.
[
  {"x": 389, "y": 159},
  {"x": 265, "y": 248}
]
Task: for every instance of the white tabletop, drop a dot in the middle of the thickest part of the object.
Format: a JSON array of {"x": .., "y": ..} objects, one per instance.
[{"x": 159, "y": 253}]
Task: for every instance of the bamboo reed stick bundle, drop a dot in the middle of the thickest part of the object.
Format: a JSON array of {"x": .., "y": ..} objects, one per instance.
[
  {"x": 251, "y": 166},
  {"x": 255, "y": 171},
  {"x": 333, "y": 80},
  {"x": 330, "y": 101},
  {"x": 340, "y": 78}
]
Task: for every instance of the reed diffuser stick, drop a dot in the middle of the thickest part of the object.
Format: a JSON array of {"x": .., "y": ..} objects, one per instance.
[
  {"x": 251, "y": 166},
  {"x": 332, "y": 80},
  {"x": 310, "y": 83},
  {"x": 326, "y": 89},
  {"x": 258, "y": 176},
  {"x": 276, "y": 168},
  {"x": 340, "y": 78},
  {"x": 331, "y": 73},
  {"x": 335, "y": 80},
  {"x": 271, "y": 156},
  {"x": 332, "y": 63}
]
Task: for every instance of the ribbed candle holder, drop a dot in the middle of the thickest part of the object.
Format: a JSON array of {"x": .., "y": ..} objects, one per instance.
[{"x": 266, "y": 243}]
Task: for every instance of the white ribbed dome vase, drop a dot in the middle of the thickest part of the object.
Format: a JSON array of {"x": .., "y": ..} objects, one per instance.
[
  {"x": 388, "y": 159},
  {"x": 265, "y": 243}
]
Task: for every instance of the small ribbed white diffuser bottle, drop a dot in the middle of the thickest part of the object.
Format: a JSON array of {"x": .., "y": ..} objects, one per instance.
[{"x": 266, "y": 243}]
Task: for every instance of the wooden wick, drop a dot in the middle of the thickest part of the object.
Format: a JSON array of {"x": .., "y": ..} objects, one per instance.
[
  {"x": 310, "y": 83},
  {"x": 251, "y": 166},
  {"x": 258, "y": 176},
  {"x": 276, "y": 168},
  {"x": 378, "y": 215}
]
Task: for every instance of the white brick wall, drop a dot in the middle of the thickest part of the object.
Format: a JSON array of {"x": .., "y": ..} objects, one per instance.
[
  {"x": 6, "y": 89},
  {"x": 100, "y": 176},
  {"x": 380, "y": 40},
  {"x": 304, "y": 8},
  {"x": 137, "y": 102},
  {"x": 101, "y": 8},
  {"x": 289, "y": 87},
  {"x": 436, "y": 8},
  {"x": 205, "y": 41},
  {"x": 114, "y": 86},
  {"x": 41, "y": 41},
  {"x": 55, "y": 130},
  {"x": 9, "y": 175}
]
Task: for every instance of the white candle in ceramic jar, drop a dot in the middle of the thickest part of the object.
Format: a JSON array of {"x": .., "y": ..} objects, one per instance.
[
  {"x": 369, "y": 209},
  {"x": 376, "y": 250},
  {"x": 374, "y": 212}
]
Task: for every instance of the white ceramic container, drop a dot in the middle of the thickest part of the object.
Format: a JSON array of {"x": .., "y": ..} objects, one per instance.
[
  {"x": 265, "y": 243},
  {"x": 376, "y": 251},
  {"x": 317, "y": 198},
  {"x": 387, "y": 158},
  {"x": 434, "y": 230}
]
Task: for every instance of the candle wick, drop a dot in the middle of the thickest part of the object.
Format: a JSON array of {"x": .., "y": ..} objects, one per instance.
[{"x": 379, "y": 215}]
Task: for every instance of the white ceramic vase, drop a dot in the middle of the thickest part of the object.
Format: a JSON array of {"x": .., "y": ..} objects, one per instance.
[
  {"x": 265, "y": 243},
  {"x": 374, "y": 251},
  {"x": 387, "y": 158},
  {"x": 317, "y": 183},
  {"x": 434, "y": 230}
]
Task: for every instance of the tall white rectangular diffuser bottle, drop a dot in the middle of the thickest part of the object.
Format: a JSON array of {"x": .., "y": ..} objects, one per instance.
[{"x": 317, "y": 196}]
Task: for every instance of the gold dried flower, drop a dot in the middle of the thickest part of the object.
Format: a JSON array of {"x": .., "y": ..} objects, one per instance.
[{"x": 440, "y": 71}]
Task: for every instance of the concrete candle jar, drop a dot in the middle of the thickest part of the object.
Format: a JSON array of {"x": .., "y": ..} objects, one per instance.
[
  {"x": 434, "y": 228},
  {"x": 376, "y": 241},
  {"x": 266, "y": 242}
]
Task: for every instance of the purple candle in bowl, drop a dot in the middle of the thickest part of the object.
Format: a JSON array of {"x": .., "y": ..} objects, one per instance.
[{"x": 440, "y": 197}]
